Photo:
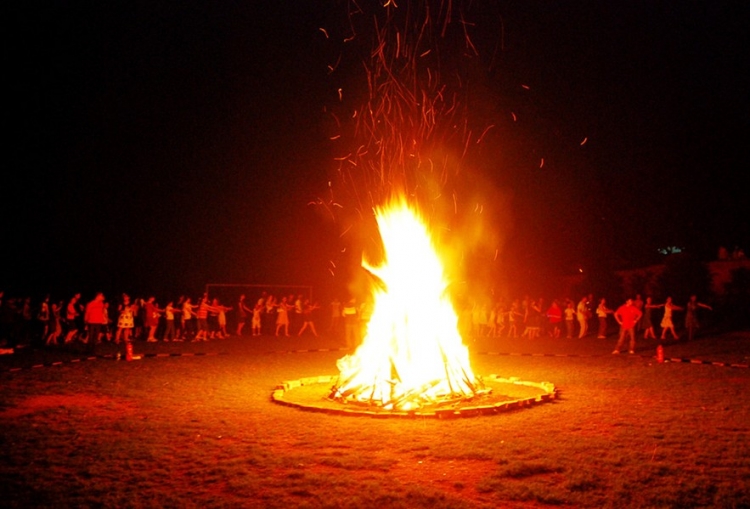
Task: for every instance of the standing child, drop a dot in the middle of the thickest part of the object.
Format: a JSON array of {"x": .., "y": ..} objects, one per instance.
[
  {"x": 514, "y": 316},
  {"x": 307, "y": 320},
  {"x": 44, "y": 318},
  {"x": 582, "y": 317},
  {"x": 501, "y": 318},
  {"x": 570, "y": 318},
  {"x": 55, "y": 325},
  {"x": 691, "y": 317},
  {"x": 222, "y": 312},
  {"x": 647, "y": 323},
  {"x": 242, "y": 312},
  {"x": 255, "y": 323},
  {"x": 554, "y": 315},
  {"x": 282, "y": 316},
  {"x": 125, "y": 320},
  {"x": 667, "y": 324},
  {"x": 601, "y": 312},
  {"x": 169, "y": 328},
  {"x": 188, "y": 319}
]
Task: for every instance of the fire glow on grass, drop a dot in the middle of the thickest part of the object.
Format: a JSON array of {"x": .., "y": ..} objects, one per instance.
[{"x": 412, "y": 354}]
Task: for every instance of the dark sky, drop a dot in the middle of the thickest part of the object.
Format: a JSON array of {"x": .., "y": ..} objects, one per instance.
[{"x": 156, "y": 147}]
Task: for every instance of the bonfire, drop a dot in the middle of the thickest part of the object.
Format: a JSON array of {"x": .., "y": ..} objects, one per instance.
[{"x": 412, "y": 354}]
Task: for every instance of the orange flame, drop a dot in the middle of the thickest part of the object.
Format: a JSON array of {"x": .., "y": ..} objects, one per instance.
[{"x": 412, "y": 353}]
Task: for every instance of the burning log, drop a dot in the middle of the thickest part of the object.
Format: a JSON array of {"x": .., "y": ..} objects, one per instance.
[{"x": 409, "y": 396}]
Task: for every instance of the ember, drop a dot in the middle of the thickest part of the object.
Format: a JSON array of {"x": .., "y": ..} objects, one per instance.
[
  {"x": 402, "y": 152},
  {"x": 402, "y": 155},
  {"x": 412, "y": 354}
]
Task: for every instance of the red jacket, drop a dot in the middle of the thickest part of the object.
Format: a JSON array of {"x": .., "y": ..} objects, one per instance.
[
  {"x": 95, "y": 312},
  {"x": 628, "y": 315}
]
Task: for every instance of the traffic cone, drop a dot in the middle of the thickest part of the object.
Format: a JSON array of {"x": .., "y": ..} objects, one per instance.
[
  {"x": 660, "y": 353},
  {"x": 128, "y": 351}
]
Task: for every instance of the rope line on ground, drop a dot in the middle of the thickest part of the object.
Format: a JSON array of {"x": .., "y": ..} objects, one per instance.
[
  {"x": 666, "y": 359},
  {"x": 314, "y": 350}
]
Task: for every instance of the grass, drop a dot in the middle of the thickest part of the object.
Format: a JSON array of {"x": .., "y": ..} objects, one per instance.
[{"x": 201, "y": 431}]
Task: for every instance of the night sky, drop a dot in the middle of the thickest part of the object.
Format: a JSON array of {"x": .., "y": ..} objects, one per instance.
[{"x": 156, "y": 147}]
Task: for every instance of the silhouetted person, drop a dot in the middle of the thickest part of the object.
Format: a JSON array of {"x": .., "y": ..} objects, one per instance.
[{"x": 691, "y": 315}]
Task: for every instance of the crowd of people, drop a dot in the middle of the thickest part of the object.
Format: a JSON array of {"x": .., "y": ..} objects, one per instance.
[
  {"x": 55, "y": 322},
  {"x": 530, "y": 318},
  {"x": 51, "y": 323}
]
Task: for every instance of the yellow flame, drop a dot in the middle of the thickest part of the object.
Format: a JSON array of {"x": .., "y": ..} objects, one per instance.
[{"x": 412, "y": 352}]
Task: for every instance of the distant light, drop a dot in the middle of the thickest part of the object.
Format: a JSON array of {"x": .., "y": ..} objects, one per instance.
[{"x": 671, "y": 250}]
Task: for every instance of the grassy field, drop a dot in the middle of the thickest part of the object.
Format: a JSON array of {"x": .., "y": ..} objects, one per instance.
[{"x": 201, "y": 431}]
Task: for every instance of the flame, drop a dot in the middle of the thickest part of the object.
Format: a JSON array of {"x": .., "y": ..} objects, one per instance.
[{"x": 412, "y": 353}]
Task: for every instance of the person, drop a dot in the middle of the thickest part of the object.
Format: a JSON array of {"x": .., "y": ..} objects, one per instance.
[
  {"x": 188, "y": 320},
  {"x": 179, "y": 325},
  {"x": 107, "y": 329},
  {"x": 570, "y": 318},
  {"x": 691, "y": 315},
  {"x": 169, "y": 328},
  {"x": 540, "y": 321},
  {"x": 296, "y": 318},
  {"x": 95, "y": 319},
  {"x": 27, "y": 322},
  {"x": 492, "y": 322},
  {"x": 222, "y": 319},
  {"x": 242, "y": 312},
  {"x": 335, "y": 324},
  {"x": 501, "y": 318},
  {"x": 203, "y": 309},
  {"x": 255, "y": 323},
  {"x": 55, "y": 324},
  {"x": 601, "y": 313},
  {"x": 533, "y": 319},
  {"x": 582, "y": 316},
  {"x": 307, "y": 319},
  {"x": 627, "y": 316},
  {"x": 282, "y": 316},
  {"x": 151, "y": 316},
  {"x": 554, "y": 315},
  {"x": 268, "y": 318},
  {"x": 514, "y": 316},
  {"x": 71, "y": 316},
  {"x": 44, "y": 318},
  {"x": 667, "y": 324},
  {"x": 479, "y": 319},
  {"x": 648, "y": 325},
  {"x": 351, "y": 324},
  {"x": 125, "y": 320},
  {"x": 139, "y": 318},
  {"x": 524, "y": 318},
  {"x": 590, "y": 314},
  {"x": 213, "y": 319}
]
